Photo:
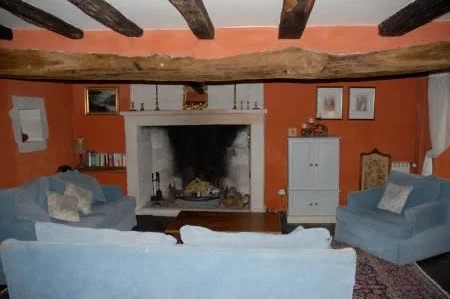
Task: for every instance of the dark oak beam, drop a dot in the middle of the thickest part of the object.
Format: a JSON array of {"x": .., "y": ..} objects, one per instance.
[
  {"x": 6, "y": 33},
  {"x": 294, "y": 16},
  {"x": 195, "y": 14},
  {"x": 412, "y": 16},
  {"x": 40, "y": 18},
  {"x": 109, "y": 16},
  {"x": 289, "y": 63}
]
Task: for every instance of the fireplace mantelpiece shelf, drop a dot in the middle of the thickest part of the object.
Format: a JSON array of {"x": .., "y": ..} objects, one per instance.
[{"x": 134, "y": 120}]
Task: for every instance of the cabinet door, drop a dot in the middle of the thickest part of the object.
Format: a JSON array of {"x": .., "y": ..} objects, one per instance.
[
  {"x": 326, "y": 163},
  {"x": 300, "y": 165}
]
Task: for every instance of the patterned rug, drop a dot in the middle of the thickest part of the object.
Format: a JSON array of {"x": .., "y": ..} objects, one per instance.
[{"x": 376, "y": 278}]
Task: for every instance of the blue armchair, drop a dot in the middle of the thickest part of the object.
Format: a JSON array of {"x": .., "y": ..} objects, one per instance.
[{"x": 420, "y": 231}]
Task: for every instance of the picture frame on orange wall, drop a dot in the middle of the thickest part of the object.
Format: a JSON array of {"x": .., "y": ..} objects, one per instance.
[
  {"x": 329, "y": 102},
  {"x": 361, "y": 103},
  {"x": 101, "y": 100}
]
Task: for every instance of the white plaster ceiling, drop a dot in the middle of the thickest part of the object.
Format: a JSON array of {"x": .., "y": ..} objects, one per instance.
[{"x": 160, "y": 14}]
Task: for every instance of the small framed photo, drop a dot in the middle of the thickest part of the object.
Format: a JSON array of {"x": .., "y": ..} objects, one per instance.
[
  {"x": 361, "y": 103},
  {"x": 102, "y": 100},
  {"x": 329, "y": 102}
]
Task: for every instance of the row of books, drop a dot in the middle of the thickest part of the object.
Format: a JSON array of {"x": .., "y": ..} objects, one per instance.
[{"x": 95, "y": 159}]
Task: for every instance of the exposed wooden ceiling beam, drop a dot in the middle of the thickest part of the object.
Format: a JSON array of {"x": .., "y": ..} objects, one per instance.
[
  {"x": 294, "y": 16},
  {"x": 289, "y": 63},
  {"x": 6, "y": 33},
  {"x": 195, "y": 14},
  {"x": 412, "y": 16},
  {"x": 40, "y": 18},
  {"x": 109, "y": 16}
]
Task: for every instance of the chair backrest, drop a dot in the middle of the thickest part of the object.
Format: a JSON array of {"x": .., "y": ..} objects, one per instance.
[{"x": 375, "y": 168}]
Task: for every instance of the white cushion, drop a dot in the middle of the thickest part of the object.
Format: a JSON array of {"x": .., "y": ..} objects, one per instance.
[
  {"x": 60, "y": 233},
  {"x": 394, "y": 198},
  {"x": 62, "y": 207},
  {"x": 84, "y": 197},
  {"x": 299, "y": 238}
]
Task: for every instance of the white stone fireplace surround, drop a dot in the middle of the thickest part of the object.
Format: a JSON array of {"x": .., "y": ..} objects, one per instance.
[{"x": 137, "y": 174}]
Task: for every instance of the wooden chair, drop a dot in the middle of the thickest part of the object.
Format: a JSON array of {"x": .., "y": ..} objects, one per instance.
[{"x": 375, "y": 168}]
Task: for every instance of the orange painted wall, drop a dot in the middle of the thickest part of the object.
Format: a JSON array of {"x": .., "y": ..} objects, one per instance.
[
  {"x": 58, "y": 105},
  {"x": 441, "y": 165},
  {"x": 103, "y": 133},
  {"x": 8, "y": 147},
  {"x": 392, "y": 131},
  {"x": 229, "y": 41}
]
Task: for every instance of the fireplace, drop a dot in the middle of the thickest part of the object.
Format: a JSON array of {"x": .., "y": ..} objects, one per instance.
[{"x": 179, "y": 147}]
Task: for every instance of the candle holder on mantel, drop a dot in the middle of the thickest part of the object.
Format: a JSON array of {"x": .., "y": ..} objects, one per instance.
[
  {"x": 314, "y": 128},
  {"x": 157, "y": 98},
  {"x": 234, "y": 97}
]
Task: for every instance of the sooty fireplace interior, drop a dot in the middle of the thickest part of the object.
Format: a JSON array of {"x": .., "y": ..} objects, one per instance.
[{"x": 205, "y": 166}]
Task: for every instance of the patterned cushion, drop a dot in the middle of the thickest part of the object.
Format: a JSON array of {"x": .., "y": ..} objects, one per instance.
[
  {"x": 85, "y": 181},
  {"x": 62, "y": 207},
  {"x": 83, "y": 196},
  {"x": 394, "y": 198}
]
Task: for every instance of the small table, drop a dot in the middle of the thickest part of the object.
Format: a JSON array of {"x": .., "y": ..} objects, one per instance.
[{"x": 226, "y": 222}]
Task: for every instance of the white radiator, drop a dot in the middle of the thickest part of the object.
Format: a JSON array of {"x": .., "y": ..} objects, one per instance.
[{"x": 401, "y": 166}]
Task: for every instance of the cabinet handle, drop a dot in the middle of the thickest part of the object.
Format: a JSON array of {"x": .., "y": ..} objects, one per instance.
[
  {"x": 315, "y": 204},
  {"x": 310, "y": 164},
  {"x": 310, "y": 204},
  {"x": 316, "y": 164}
]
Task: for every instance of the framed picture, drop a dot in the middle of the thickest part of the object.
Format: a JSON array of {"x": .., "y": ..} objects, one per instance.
[
  {"x": 329, "y": 102},
  {"x": 361, "y": 103},
  {"x": 102, "y": 100}
]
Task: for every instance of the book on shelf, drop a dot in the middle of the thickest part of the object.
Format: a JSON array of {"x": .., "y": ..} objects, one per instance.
[{"x": 105, "y": 159}]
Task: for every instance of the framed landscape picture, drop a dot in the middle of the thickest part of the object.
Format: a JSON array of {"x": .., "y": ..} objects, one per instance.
[
  {"x": 361, "y": 103},
  {"x": 329, "y": 102},
  {"x": 102, "y": 100}
]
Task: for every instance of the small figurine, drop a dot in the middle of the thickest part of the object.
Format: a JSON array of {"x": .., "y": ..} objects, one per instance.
[
  {"x": 142, "y": 107},
  {"x": 132, "y": 106}
]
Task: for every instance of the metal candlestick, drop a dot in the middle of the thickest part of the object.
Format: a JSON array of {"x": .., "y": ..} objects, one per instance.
[
  {"x": 234, "y": 98},
  {"x": 157, "y": 99}
]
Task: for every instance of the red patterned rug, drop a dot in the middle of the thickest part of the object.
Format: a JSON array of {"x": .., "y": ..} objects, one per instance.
[{"x": 376, "y": 278}]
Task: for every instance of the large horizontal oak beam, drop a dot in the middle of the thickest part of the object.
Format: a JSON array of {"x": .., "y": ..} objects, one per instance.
[
  {"x": 294, "y": 17},
  {"x": 289, "y": 63},
  {"x": 109, "y": 16},
  {"x": 41, "y": 18},
  {"x": 196, "y": 16},
  {"x": 412, "y": 16}
]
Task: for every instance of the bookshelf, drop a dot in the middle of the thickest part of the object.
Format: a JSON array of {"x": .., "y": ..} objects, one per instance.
[{"x": 102, "y": 169}]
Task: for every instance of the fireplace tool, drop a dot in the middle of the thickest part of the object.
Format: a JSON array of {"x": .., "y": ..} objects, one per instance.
[{"x": 156, "y": 186}]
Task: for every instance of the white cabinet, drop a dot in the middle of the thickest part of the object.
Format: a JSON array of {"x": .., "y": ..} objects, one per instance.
[{"x": 313, "y": 186}]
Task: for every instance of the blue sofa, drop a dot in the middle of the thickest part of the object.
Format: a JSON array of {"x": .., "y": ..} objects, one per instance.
[
  {"x": 149, "y": 265},
  {"x": 420, "y": 231},
  {"x": 24, "y": 205}
]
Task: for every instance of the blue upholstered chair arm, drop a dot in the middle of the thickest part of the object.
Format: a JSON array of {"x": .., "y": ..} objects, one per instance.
[
  {"x": 112, "y": 192},
  {"x": 366, "y": 199},
  {"x": 422, "y": 217}
]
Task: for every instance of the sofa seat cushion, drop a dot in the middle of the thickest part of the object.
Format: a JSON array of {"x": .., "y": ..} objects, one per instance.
[
  {"x": 381, "y": 221},
  {"x": 114, "y": 211},
  {"x": 425, "y": 188}
]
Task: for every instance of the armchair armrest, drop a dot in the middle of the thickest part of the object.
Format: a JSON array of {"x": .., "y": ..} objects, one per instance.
[
  {"x": 366, "y": 199},
  {"x": 112, "y": 192},
  {"x": 421, "y": 217}
]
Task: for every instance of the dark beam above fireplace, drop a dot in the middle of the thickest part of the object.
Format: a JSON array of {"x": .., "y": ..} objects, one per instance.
[
  {"x": 106, "y": 14},
  {"x": 294, "y": 16},
  {"x": 196, "y": 16},
  {"x": 6, "y": 33},
  {"x": 288, "y": 63},
  {"x": 40, "y": 18}
]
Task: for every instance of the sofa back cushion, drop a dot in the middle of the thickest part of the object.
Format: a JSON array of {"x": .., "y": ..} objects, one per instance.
[
  {"x": 84, "y": 181},
  {"x": 31, "y": 200},
  {"x": 445, "y": 189},
  {"x": 425, "y": 188},
  {"x": 299, "y": 238},
  {"x": 61, "y": 233}
]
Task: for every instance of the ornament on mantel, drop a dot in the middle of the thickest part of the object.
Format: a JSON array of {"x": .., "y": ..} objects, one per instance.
[
  {"x": 157, "y": 98},
  {"x": 314, "y": 128}
]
